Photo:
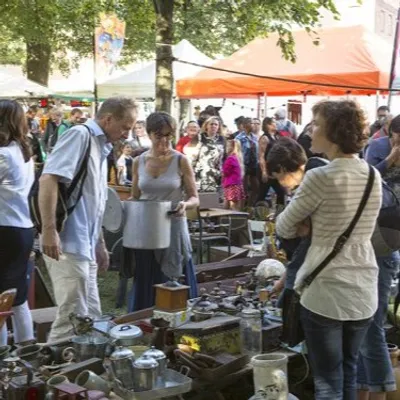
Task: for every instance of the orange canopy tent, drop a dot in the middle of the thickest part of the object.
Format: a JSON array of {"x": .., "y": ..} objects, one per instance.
[{"x": 346, "y": 56}]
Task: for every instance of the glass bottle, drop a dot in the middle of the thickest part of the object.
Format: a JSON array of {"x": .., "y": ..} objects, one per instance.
[{"x": 250, "y": 331}]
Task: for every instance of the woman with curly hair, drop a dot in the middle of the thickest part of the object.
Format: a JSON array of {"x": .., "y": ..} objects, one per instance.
[{"x": 338, "y": 305}]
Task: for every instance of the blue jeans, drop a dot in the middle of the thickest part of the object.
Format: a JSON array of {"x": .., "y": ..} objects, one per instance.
[
  {"x": 333, "y": 348},
  {"x": 375, "y": 373}
]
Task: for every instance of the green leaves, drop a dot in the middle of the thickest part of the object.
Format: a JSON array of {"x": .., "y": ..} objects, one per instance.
[{"x": 216, "y": 27}]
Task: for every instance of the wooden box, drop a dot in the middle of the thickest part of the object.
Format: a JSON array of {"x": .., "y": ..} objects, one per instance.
[
  {"x": 171, "y": 299},
  {"x": 218, "y": 334}
]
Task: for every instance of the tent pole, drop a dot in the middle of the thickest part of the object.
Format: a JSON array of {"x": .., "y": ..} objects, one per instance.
[
  {"x": 377, "y": 99},
  {"x": 259, "y": 106},
  {"x": 265, "y": 104}
]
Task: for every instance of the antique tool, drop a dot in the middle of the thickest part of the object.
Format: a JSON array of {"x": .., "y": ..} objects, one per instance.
[
  {"x": 82, "y": 324},
  {"x": 171, "y": 296},
  {"x": 18, "y": 380}
]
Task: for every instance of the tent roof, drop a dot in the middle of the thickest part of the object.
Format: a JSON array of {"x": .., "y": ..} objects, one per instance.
[
  {"x": 349, "y": 56},
  {"x": 12, "y": 84},
  {"x": 141, "y": 83}
]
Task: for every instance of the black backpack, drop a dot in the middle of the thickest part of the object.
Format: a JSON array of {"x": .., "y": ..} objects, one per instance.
[
  {"x": 63, "y": 209},
  {"x": 386, "y": 237}
]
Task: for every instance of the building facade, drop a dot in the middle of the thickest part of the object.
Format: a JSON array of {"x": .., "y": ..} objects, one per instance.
[{"x": 379, "y": 16}]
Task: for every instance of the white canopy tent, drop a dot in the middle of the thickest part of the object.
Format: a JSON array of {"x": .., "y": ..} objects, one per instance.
[
  {"x": 140, "y": 84},
  {"x": 15, "y": 85}
]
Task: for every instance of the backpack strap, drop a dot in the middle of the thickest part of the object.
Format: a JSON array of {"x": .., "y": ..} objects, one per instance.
[{"x": 81, "y": 174}]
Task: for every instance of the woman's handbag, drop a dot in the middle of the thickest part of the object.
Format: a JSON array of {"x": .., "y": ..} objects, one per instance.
[{"x": 292, "y": 330}]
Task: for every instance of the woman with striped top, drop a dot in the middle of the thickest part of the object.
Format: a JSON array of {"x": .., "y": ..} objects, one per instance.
[{"x": 337, "y": 307}]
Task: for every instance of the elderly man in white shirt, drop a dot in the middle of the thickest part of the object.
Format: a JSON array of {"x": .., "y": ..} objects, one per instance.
[{"x": 74, "y": 255}]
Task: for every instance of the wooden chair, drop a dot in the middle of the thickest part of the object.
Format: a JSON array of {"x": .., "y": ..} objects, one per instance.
[
  {"x": 204, "y": 231},
  {"x": 256, "y": 227}
]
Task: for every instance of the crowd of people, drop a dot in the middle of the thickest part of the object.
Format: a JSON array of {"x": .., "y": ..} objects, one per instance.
[
  {"x": 232, "y": 164},
  {"x": 343, "y": 309}
]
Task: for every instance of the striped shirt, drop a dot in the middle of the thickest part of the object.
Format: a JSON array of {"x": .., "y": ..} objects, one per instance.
[{"x": 347, "y": 288}]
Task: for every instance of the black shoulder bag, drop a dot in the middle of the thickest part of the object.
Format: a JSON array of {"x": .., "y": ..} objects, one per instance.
[
  {"x": 64, "y": 194},
  {"x": 292, "y": 330}
]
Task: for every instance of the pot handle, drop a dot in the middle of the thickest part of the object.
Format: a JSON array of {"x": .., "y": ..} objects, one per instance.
[
  {"x": 184, "y": 370},
  {"x": 125, "y": 328},
  {"x": 68, "y": 354}
]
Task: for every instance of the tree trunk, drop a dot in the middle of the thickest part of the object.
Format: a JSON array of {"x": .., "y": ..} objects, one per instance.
[
  {"x": 184, "y": 105},
  {"x": 164, "y": 35},
  {"x": 38, "y": 62}
]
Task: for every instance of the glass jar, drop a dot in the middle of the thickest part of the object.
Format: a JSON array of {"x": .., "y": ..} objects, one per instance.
[{"x": 250, "y": 331}]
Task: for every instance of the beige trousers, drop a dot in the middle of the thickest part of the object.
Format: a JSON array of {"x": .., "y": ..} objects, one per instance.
[{"x": 75, "y": 290}]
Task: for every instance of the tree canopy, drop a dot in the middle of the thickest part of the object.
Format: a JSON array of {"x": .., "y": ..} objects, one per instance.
[{"x": 41, "y": 32}]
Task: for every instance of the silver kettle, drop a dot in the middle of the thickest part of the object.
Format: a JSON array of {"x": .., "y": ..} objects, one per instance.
[
  {"x": 161, "y": 358},
  {"x": 145, "y": 373},
  {"x": 122, "y": 360}
]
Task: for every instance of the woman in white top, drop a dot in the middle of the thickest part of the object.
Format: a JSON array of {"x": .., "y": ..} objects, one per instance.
[
  {"x": 140, "y": 141},
  {"x": 16, "y": 228},
  {"x": 124, "y": 166},
  {"x": 338, "y": 305}
]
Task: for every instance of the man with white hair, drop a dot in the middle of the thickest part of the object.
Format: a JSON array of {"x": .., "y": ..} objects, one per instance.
[
  {"x": 74, "y": 255},
  {"x": 284, "y": 126}
]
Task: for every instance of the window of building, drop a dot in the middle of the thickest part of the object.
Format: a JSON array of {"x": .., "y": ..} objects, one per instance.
[{"x": 381, "y": 22}]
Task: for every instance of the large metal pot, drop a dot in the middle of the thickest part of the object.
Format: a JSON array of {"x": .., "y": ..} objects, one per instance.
[
  {"x": 147, "y": 224},
  {"x": 86, "y": 347},
  {"x": 126, "y": 335}
]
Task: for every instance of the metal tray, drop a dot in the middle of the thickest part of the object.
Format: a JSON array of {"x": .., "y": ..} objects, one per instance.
[{"x": 175, "y": 384}]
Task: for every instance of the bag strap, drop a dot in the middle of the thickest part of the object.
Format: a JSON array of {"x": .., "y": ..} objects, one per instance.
[
  {"x": 81, "y": 175},
  {"x": 341, "y": 241}
]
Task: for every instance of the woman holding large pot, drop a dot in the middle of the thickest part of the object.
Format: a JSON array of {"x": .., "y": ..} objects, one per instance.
[{"x": 163, "y": 174}]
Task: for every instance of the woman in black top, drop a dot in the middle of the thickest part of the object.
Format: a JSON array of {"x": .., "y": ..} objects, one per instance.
[{"x": 267, "y": 140}]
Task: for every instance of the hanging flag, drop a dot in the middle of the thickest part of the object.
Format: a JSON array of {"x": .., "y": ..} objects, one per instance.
[
  {"x": 395, "y": 69},
  {"x": 109, "y": 40}
]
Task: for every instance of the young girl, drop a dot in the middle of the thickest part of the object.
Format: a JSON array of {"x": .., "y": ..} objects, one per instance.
[{"x": 232, "y": 179}]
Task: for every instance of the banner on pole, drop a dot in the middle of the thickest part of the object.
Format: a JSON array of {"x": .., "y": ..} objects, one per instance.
[{"x": 109, "y": 41}]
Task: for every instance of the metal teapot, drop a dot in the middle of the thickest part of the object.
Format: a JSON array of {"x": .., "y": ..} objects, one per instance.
[{"x": 122, "y": 360}]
